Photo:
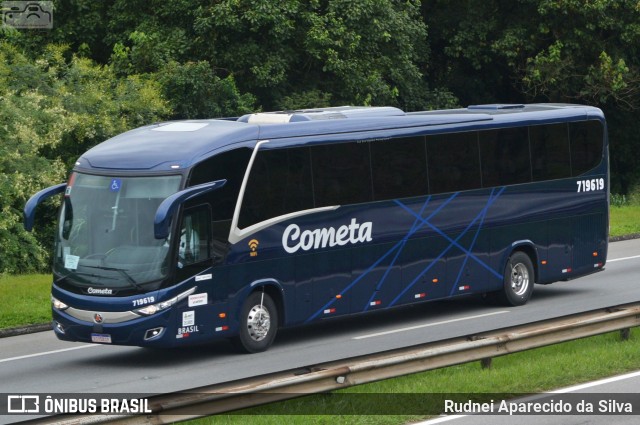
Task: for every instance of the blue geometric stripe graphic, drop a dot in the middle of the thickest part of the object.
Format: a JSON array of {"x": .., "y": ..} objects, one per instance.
[
  {"x": 419, "y": 223},
  {"x": 468, "y": 253},
  {"x": 453, "y": 243},
  {"x": 383, "y": 257},
  {"x": 399, "y": 251}
]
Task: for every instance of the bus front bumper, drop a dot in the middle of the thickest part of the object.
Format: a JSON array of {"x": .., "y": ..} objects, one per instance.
[{"x": 147, "y": 331}]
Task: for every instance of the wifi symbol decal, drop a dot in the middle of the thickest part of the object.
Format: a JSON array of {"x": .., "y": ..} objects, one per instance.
[{"x": 253, "y": 246}]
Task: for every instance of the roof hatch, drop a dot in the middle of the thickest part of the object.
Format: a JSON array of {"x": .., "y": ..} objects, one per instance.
[{"x": 497, "y": 106}]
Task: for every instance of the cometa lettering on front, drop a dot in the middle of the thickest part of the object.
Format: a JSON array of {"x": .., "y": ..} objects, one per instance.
[
  {"x": 102, "y": 291},
  {"x": 294, "y": 239}
]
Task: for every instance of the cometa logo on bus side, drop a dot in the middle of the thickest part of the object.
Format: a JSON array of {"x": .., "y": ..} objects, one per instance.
[{"x": 293, "y": 239}]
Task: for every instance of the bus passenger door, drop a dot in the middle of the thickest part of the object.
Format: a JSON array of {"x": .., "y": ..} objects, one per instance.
[{"x": 194, "y": 245}]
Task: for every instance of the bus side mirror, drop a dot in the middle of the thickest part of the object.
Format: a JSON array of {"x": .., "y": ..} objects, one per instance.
[
  {"x": 29, "y": 212},
  {"x": 169, "y": 206}
]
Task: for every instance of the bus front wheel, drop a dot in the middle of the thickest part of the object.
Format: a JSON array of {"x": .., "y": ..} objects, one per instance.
[
  {"x": 518, "y": 280},
  {"x": 258, "y": 323}
]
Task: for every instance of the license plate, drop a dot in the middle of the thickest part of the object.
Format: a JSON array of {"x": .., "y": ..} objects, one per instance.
[{"x": 101, "y": 338}]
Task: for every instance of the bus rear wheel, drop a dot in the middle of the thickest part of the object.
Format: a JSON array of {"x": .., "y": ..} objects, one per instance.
[
  {"x": 518, "y": 280},
  {"x": 258, "y": 324}
]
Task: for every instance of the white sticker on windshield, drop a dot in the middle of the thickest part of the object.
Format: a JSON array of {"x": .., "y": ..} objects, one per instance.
[{"x": 71, "y": 262}]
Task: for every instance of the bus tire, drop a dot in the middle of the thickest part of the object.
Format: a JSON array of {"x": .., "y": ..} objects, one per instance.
[
  {"x": 518, "y": 280},
  {"x": 258, "y": 324}
]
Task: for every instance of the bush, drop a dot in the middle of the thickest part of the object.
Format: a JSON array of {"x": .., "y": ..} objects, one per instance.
[
  {"x": 53, "y": 108},
  {"x": 195, "y": 91},
  {"x": 617, "y": 200}
]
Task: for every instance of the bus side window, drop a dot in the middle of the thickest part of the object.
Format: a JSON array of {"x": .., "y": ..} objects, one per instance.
[
  {"x": 453, "y": 162},
  {"x": 230, "y": 166},
  {"x": 341, "y": 174},
  {"x": 505, "y": 156},
  {"x": 586, "y": 145},
  {"x": 550, "y": 156},
  {"x": 195, "y": 237},
  {"x": 279, "y": 183},
  {"x": 399, "y": 168}
]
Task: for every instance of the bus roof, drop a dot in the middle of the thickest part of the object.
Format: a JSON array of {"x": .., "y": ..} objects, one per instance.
[{"x": 178, "y": 145}]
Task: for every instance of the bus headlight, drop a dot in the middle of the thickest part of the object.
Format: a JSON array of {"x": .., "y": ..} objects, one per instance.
[
  {"x": 153, "y": 309},
  {"x": 58, "y": 305}
]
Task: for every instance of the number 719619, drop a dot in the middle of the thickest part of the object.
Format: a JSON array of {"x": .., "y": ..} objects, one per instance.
[{"x": 590, "y": 185}]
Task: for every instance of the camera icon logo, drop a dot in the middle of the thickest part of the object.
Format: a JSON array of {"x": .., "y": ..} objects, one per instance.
[{"x": 27, "y": 14}]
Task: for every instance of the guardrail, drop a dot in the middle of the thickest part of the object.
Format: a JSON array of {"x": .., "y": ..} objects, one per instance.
[{"x": 279, "y": 386}]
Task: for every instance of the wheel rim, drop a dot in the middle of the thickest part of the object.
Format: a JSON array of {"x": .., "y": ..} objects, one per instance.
[
  {"x": 519, "y": 279},
  {"x": 258, "y": 322}
]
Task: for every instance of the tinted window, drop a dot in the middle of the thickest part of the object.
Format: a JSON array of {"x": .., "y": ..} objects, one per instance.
[
  {"x": 399, "y": 168},
  {"x": 195, "y": 240},
  {"x": 505, "y": 156},
  {"x": 230, "y": 166},
  {"x": 550, "y": 158},
  {"x": 341, "y": 174},
  {"x": 195, "y": 244},
  {"x": 586, "y": 145},
  {"x": 279, "y": 183},
  {"x": 453, "y": 162}
]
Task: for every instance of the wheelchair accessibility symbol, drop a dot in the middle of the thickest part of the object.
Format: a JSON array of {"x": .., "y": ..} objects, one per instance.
[{"x": 115, "y": 185}]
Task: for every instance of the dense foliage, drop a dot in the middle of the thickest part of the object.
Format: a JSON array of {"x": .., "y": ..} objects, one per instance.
[
  {"x": 108, "y": 66},
  {"x": 53, "y": 107}
]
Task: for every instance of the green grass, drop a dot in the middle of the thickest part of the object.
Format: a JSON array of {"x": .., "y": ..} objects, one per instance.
[
  {"x": 624, "y": 220},
  {"x": 527, "y": 372},
  {"x": 26, "y": 300}
]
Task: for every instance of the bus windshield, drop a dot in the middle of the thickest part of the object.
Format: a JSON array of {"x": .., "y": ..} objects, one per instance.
[{"x": 105, "y": 236}]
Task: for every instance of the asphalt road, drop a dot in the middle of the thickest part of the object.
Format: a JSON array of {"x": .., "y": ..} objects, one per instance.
[{"x": 39, "y": 363}]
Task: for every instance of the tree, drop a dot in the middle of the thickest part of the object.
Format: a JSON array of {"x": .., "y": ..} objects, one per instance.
[
  {"x": 281, "y": 53},
  {"x": 544, "y": 50},
  {"x": 354, "y": 52},
  {"x": 52, "y": 110},
  {"x": 194, "y": 91}
]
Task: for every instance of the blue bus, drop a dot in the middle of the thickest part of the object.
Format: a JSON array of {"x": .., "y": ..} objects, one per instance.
[{"x": 188, "y": 231}]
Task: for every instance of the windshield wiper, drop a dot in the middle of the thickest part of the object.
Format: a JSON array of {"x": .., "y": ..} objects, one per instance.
[
  {"x": 60, "y": 279},
  {"x": 121, "y": 271}
]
